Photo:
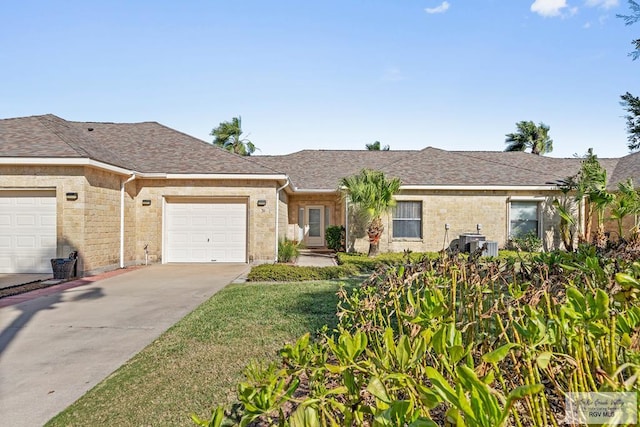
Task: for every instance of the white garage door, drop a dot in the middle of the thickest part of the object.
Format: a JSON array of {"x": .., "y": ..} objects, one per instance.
[
  {"x": 27, "y": 231},
  {"x": 205, "y": 232}
]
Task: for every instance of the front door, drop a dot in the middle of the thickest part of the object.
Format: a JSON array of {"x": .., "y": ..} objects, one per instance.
[{"x": 314, "y": 229}]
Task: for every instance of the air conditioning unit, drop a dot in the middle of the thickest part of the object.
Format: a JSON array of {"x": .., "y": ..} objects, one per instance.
[
  {"x": 466, "y": 239},
  {"x": 490, "y": 250}
]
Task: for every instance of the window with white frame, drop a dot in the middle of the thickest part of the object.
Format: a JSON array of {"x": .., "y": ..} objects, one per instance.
[
  {"x": 523, "y": 218},
  {"x": 407, "y": 220}
]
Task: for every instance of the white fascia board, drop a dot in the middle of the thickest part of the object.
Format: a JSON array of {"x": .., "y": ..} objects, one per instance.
[
  {"x": 63, "y": 161},
  {"x": 482, "y": 187},
  {"x": 224, "y": 176},
  {"x": 83, "y": 161},
  {"x": 527, "y": 198},
  {"x": 315, "y": 190}
]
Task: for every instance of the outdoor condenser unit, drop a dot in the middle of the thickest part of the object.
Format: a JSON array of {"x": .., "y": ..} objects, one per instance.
[
  {"x": 491, "y": 250},
  {"x": 467, "y": 238}
]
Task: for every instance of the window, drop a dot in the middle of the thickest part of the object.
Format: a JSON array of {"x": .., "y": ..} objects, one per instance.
[
  {"x": 407, "y": 220},
  {"x": 523, "y": 218}
]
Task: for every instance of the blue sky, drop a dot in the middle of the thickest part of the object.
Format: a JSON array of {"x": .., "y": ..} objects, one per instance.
[{"x": 329, "y": 74}]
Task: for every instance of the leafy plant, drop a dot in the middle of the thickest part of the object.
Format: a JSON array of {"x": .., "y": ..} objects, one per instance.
[
  {"x": 288, "y": 250},
  {"x": 530, "y": 242},
  {"x": 374, "y": 193},
  {"x": 335, "y": 235},
  {"x": 428, "y": 343}
]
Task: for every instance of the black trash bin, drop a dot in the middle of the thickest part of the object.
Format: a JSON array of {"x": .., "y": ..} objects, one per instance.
[{"x": 64, "y": 268}]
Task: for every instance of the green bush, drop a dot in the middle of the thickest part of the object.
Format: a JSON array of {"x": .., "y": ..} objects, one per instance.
[
  {"x": 295, "y": 273},
  {"x": 334, "y": 235},
  {"x": 529, "y": 242},
  {"x": 288, "y": 250},
  {"x": 365, "y": 263}
]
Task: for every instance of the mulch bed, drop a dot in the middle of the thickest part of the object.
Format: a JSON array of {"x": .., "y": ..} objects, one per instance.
[{"x": 27, "y": 287}]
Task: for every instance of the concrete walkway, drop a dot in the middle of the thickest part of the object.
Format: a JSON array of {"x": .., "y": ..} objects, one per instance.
[
  {"x": 316, "y": 260},
  {"x": 56, "y": 347}
]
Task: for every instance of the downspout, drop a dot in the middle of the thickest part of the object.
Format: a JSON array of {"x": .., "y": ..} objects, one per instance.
[
  {"x": 131, "y": 178},
  {"x": 346, "y": 224},
  {"x": 278, "y": 190}
]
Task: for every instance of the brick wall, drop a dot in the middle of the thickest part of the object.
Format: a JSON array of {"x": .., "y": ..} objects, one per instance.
[{"x": 260, "y": 221}]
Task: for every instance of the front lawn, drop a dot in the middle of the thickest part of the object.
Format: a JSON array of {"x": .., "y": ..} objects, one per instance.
[{"x": 197, "y": 364}]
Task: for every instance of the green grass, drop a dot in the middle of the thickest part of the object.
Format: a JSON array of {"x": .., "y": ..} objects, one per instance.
[{"x": 198, "y": 362}]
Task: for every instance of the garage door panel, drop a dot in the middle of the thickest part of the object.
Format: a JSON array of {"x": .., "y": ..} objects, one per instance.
[
  {"x": 199, "y": 221},
  {"x": 48, "y": 220},
  {"x": 25, "y": 220},
  {"x": 47, "y": 242},
  {"x": 26, "y": 242},
  {"x": 215, "y": 232},
  {"x": 199, "y": 239},
  {"x": 26, "y": 201}
]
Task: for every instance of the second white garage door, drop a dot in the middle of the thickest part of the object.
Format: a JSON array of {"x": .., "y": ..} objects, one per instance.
[{"x": 205, "y": 232}]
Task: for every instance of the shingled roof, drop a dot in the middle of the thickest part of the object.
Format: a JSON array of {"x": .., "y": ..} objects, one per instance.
[
  {"x": 322, "y": 169},
  {"x": 147, "y": 147},
  {"x": 150, "y": 147}
]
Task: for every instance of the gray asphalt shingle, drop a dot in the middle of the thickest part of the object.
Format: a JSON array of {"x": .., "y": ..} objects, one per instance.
[
  {"x": 150, "y": 147},
  {"x": 147, "y": 147}
]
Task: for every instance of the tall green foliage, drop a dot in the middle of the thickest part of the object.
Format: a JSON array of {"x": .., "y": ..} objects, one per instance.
[
  {"x": 453, "y": 342},
  {"x": 632, "y": 105},
  {"x": 228, "y": 135},
  {"x": 627, "y": 203},
  {"x": 376, "y": 146},
  {"x": 335, "y": 237},
  {"x": 374, "y": 193},
  {"x": 530, "y": 136},
  {"x": 630, "y": 19}
]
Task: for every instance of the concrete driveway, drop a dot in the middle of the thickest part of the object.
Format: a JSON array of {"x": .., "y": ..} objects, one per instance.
[{"x": 54, "y": 348}]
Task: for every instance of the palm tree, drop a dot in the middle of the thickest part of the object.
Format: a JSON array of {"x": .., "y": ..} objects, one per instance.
[
  {"x": 627, "y": 202},
  {"x": 372, "y": 192},
  {"x": 228, "y": 135},
  {"x": 375, "y": 146},
  {"x": 530, "y": 136}
]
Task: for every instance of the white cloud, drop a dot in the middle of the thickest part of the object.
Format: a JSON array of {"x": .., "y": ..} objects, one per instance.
[
  {"x": 438, "y": 9},
  {"x": 605, "y": 4},
  {"x": 548, "y": 8},
  {"x": 586, "y": 25}
]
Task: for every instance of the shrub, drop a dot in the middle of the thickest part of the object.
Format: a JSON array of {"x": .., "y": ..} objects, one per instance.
[
  {"x": 334, "y": 235},
  {"x": 288, "y": 250},
  {"x": 295, "y": 273},
  {"x": 365, "y": 263},
  {"x": 529, "y": 242}
]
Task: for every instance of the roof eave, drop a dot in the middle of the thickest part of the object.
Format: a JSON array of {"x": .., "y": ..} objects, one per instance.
[
  {"x": 482, "y": 187},
  {"x": 64, "y": 161}
]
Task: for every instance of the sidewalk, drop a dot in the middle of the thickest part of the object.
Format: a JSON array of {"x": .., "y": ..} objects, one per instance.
[{"x": 316, "y": 260}]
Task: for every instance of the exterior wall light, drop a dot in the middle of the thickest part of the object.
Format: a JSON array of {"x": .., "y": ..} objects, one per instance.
[
  {"x": 479, "y": 228},
  {"x": 262, "y": 202},
  {"x": 72, "y": 196},
  {"x": 146, "y": 202}
]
